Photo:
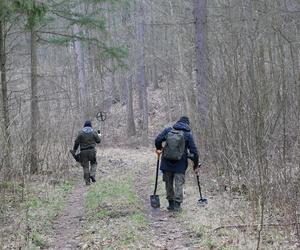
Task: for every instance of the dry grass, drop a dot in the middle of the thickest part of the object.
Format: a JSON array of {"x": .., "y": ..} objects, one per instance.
[
  {"x": 25, "y": 223},
  {"x": 116, "y": 217}
]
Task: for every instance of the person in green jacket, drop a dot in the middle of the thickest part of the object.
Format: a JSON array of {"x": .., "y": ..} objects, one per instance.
[{"x": 87, "y": 139}]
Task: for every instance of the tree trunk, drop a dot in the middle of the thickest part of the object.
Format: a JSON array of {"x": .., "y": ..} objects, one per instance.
[
  {"x": 90, "y": 58},
  {"x": 83, "y": 100},
  {"x": 153, "y": 46},
  {"x": 34, "y": 104},
  {"x": 201, "y": 63},
  {"x": 130, "y": 117},
  {"x": 183, "y": 76},
  {"x": 141, "y": 76},
  {"x": 7, "y": 147}
]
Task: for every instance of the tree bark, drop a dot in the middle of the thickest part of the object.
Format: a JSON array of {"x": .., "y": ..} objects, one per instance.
[
  {"x": 4, "y": 101},
  {"x": 201, "y": 62},
  {"x": 154, "y": 43},
  {"x": 83, "y": 99},
  {"x": 130, "y": 117},
  {"x": 34, "y": 103},
  {"x": 141, "y": 76},
  {"x": 183, "y": 76}
]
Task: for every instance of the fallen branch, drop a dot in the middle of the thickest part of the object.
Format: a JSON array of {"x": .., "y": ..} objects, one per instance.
[{"x": 241, "y": 226}]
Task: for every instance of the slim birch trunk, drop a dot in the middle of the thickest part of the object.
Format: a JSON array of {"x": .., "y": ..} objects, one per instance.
[{"x": 34, "y": 109}]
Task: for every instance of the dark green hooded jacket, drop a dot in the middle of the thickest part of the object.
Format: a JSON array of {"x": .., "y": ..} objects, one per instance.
[{"x": 87, "y": 139}]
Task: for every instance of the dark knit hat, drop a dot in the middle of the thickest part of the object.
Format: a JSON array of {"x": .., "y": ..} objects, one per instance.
[
  {"x": 87, "y": 123},
  {"x": 184, "y": 119}
]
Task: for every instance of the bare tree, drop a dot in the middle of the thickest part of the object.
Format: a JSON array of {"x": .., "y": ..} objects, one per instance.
[
  {"x": 131, "y": 131},
  {"x": 83, "y": 97},
  {"x": 200, "y": 11},
  {"x": 34, "y": 102},
  {"x": 4, "y": 98},
  {"x": 141, "y": 75}
]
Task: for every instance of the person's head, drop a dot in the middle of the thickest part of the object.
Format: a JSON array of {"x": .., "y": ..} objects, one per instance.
[
  {"x": 184, "y": 119},
  {"x": 87, "y": 123}
]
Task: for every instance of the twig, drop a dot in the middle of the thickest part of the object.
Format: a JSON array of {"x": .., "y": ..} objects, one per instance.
[{"x": 242, "y": 226}]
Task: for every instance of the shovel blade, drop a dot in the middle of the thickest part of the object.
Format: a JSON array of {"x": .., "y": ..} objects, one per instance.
[
  {"x": 154, "y": 201},
  {"x": 202, "y": 201}
]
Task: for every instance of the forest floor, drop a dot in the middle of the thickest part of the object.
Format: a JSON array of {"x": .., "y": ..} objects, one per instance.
[{"x": 115, "y": 213}]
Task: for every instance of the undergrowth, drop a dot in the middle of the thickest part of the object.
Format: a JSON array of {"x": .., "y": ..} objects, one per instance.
[{"x": 28, "y": 221}]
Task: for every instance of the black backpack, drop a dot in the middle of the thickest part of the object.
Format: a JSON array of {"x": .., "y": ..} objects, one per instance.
[{"x": 175, "y": 145}]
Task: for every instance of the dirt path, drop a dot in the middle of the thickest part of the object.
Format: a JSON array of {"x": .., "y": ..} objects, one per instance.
[
  {"x": 120, "y": 215},
  {"x": 166, "y": 228},
  {"x": 69, "y": 227},
  {"x": 164, "y": 224}
]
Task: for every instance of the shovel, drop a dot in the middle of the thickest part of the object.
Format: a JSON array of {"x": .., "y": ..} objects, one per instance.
[
  {"x": 202, "y": 201},
  {"x": 154, "y": 199},
  {"x": 75, "y": 156}
]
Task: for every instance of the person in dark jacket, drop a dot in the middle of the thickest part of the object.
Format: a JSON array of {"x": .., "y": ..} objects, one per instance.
[
  {"x": 87, "y": 139},
  {"x": 174, "y": 171}
]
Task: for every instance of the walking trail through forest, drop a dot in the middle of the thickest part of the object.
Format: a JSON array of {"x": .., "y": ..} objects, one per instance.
[
  {"x": 115, "y": 212},
  {"x": 164, "y": 227},
  {"x": 167, "y": 231},
  {"x": 68, "y": 228}
]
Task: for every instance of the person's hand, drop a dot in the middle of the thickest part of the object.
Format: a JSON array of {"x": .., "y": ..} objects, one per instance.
[
  {"x": 158, "y": 152},
  {"x": 197, "y": 168},
  {"x": 190, "y": 156}
]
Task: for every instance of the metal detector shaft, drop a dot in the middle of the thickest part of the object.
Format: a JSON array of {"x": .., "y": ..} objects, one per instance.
[
  {"x": 199, "y": 186},
  {"x": 201, "y": 201}
]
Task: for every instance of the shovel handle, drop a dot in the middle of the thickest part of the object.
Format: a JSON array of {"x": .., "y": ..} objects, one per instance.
[{"x": 156, "y": 177}]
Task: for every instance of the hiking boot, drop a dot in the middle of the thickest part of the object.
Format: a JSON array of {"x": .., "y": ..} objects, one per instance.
[
  {"x": 92, "y": 178},
  {"x": 177, "y": 207},
  {"x": 171, "y": 206}
]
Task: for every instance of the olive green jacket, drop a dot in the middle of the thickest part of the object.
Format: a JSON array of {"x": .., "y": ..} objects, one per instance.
[{"x": 87, "y": 138}]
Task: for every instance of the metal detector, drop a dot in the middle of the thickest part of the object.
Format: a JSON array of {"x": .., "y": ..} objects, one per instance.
[
  {"x": 101, "y": 117},
  {"x": 202, "y": 201}
]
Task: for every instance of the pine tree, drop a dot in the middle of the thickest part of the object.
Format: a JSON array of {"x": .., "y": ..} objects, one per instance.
[{"x": 40, "y": 17}]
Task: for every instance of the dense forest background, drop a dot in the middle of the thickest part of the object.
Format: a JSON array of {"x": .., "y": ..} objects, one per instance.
[{"x": 232, "y": 66}]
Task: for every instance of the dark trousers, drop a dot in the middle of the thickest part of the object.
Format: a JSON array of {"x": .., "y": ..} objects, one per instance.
[
  {"x": 174, "y": 185},
  {"x": 87, "y": 158}
]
